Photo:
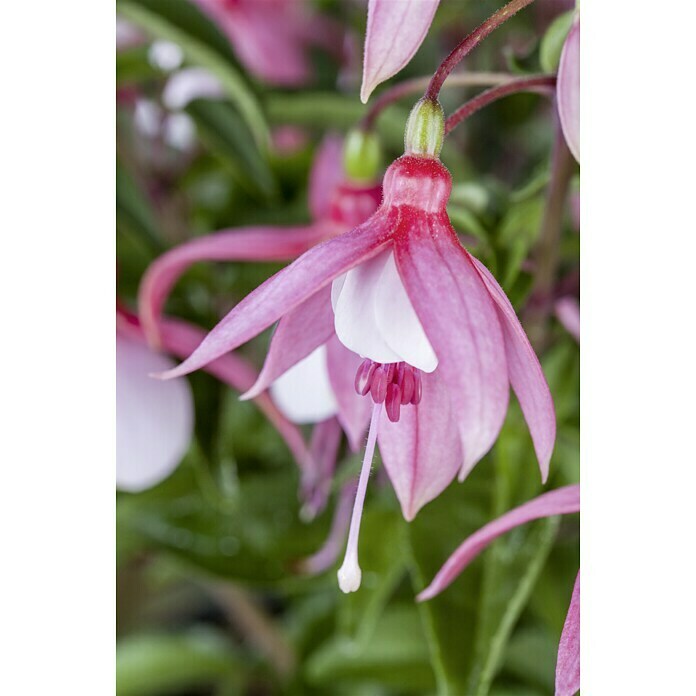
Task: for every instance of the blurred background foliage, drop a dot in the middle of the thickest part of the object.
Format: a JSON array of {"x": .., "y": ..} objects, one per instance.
[{"x": 210, "y": 600}]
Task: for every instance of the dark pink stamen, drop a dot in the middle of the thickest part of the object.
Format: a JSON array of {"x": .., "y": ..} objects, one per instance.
[
  {"x": 418, "y": 388},
  {"x": 393, "y": 402},
  {"x": 363, "y": 377},
  {"x": 408, "y": 385},
  {"x": 394, "y": 384}
]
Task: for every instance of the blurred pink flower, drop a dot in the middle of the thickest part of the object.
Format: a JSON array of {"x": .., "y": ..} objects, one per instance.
[
  {"x": 568, "y": 88},
  {"x": 568, "y": 313},
  {"x": 395, "y": 31},
  {"x": 435, "y": 329},
  {"x": 270, "y": 37},
  {"x": 562, "y": 501}
]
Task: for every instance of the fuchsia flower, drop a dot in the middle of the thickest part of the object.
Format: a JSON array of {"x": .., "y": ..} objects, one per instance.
[
  {"x": 562, "y": 501},
  {"x": 433, "y": 336},
  {"x": 271, "y": 38},
  {"x": 395, "y": 31},
  {"x": 568, "y": 89},
  {"x": 305, "y": 393}
]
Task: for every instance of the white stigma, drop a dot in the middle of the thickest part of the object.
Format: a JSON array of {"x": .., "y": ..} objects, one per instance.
[{"x": 349, "y": 574}]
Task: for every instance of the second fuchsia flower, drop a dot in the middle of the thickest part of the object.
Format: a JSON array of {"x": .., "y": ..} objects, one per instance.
[{"x": 440, "y": 342}]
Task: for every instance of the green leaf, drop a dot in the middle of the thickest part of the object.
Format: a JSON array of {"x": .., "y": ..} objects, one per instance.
[
  {"x": 133, "y": 211},
  {"x": 203, "y": 44},
  {"x": 470, "y": 623},
  {"x": 162, "y": 663},
  {"x": 394, "y": 655},
  {"x": 132, "y": 66},
  {"x": 336, "y": 111},
  {"x": 248, "y": 531},
  {"x": 518, "y": 231},
  {"x": 383, "y": 561},
  {"x": 228, "y": 137}
]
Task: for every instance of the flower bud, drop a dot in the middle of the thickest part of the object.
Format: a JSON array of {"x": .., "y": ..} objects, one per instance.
[
  {"x": 361, "y": 156},
  {"x": 425, "y": 129},
  {"x": 552, "y": 43}
]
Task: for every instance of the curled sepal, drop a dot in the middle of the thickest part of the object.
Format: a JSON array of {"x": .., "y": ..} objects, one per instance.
[
  {"x": 568, "y": 662},
  {"x": 562, "y": 501}
]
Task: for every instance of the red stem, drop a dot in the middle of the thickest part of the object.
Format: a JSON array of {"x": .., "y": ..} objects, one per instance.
[
  {"x": 536, "y": 83},
  {"x": 471, "y": 41},
  {"x": 416, "y": 84}
]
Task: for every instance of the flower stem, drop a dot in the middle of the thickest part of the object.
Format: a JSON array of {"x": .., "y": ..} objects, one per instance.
[
  {"x": 470, "y": 42},
  {"x": 548, "y": 249},
  {"x": 536, "y": 83},
  {"x": 417, "y": 84}
]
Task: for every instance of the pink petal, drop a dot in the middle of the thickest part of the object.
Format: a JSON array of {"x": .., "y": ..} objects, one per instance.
[
  {"x": 327, "y": 555},
  {"x": 154, "y": 421},
  {"x": 395, "y": 31},
  {"x": 353, "y": 410},
  {"x": 326, "y": 176},
  {"x": 526, "y": 376},
  {"x": 289, "y": 288},
  {"x": 298, "y": 334},
  {"x": 317, "y": 479},
  {"x": 568, "y": 88},
  {"x": 568, "y": 313},
  {"x": 562, "y": 501},
  {"x": 243, "y": 244},
  {"x": 421, "y": 452},
  {"x": 462, "y": 325},
  {"x": 568, "y": 663}
]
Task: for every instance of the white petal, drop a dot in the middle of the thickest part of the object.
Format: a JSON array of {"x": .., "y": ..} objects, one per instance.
[
  {"x": 304, "y": 393},
  {"x": 180, "y": 131},
  {"x": 186, "y": 85},
  {"x": 398, "y": 323},
  {"x": 375, "y": 318},
  {"x": 147, "y": 117},
  {"x": 154, "y": 419},
  {"x": 165, "y": 55},
  {"x": 355, "y": 319}
]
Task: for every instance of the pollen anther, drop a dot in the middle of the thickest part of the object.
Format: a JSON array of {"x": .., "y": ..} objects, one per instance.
[{"x": 393, "y": 384}]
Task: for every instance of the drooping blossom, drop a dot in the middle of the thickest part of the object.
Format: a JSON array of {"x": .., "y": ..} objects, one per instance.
[
  {"x": 306, "y": 393},
  {"x": 562, "y": 501},
  {"x": 436, "y": 342},
  {"x": 395, "y": 31},
  {"x": 179, "y": 338},
  {"x": 154, "y": 421},
  {"x": 273, "y": 38},
  {"x": 568, "y": 89}
]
